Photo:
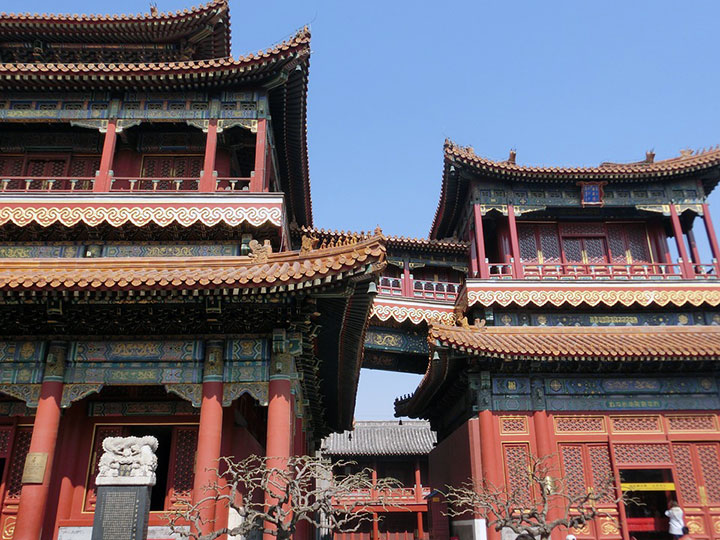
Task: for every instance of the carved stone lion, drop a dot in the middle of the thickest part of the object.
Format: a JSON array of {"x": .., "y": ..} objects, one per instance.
[{"x": 128, "y": 461}]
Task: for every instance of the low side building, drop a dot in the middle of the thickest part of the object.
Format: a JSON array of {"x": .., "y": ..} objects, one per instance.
[{"x": 389, "y": 449}]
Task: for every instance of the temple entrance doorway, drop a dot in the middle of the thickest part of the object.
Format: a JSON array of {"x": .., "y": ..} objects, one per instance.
[{"x": 649, "y": 491}]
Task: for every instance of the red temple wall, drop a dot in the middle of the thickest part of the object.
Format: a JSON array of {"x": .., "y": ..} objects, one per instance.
[
  {"x": 587, "y": 447},
  {"x": 456, "y": 458}
]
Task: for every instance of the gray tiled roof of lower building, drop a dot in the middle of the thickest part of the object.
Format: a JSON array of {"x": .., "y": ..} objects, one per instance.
[{"x": 382, "y": 438}]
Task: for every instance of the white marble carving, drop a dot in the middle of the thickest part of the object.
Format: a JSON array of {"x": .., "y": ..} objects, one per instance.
[{"x": 128, "y": 461}]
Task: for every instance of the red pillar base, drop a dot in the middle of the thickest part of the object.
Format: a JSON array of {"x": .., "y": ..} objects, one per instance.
[{"x": 33, "y": 497}]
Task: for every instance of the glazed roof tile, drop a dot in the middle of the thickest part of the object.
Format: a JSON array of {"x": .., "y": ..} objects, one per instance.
[
  {"x": 382, "y": 438},
  {"x": 685, "y": 163},
  {"x": 154, "y": 17},
  {"x": 537, "y": 344},
  {"x": 397, "y": 242},
  {"x": 583, "y": 342},
  {"x": 285, "y": 270},
  {"x": 152, "y": 27},
  {"x": 214, "y": 72}
]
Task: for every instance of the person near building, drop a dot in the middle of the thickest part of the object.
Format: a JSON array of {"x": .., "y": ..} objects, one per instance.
[{"x": 676, "y": 524}]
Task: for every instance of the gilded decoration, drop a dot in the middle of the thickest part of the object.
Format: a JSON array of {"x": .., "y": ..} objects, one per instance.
[
  {"x": 609, "y": 526},
  {"x": 642, "y": 296},
  {"x": 118, "y": 215},
  {"x": 141, "y": 408},
  {"x": 189, "y": 392},
  {"x": 137, "y": 351},
  {"x": 29, "y": 393},
  {"x": 695, "y": 524},
  {"x": 75, "y": 392},
  {"x": 232, "y": 391},
  {"x": 393, "y": 341},
  {"x": 384, "y": 312},
  {"x": 21, "y": 351}
]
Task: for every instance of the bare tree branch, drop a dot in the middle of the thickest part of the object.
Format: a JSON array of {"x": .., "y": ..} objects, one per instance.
[
  {"x": 537, "y": 507},
  {"x": 273, "y": 495}
]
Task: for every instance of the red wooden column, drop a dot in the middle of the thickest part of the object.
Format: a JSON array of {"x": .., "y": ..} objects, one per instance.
[
  {"x": 514, "y": 243},
  {"x": 209, "y": 432},
  {"x": 34, "y": 494},
  {"x": 694, "y": 253},
  {"x": 222, "y": 512},
  {"x": 421, "y": 531},
  {"x": 547, "y": 447},
  {"x": 480, "y": 243},
  {"x": 279, "y": 418},
  {"x": 712, "y": 239},
  {"x": 491, "y": 462},
  {"x": 685, "y": 267},
  {"x": 407, "y": 286},
  {"x": 418, "y": 482},
  {"x": 207, "y": 180},
  {"x": 258, "y": 182},
  {"x": 103, "y": 180}
]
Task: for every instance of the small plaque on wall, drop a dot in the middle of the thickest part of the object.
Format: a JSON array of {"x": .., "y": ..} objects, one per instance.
[{"x": 34, "y": 470}]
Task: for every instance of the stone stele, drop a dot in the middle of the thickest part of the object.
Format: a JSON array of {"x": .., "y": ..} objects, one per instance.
[{"x": 128, "y": 461}]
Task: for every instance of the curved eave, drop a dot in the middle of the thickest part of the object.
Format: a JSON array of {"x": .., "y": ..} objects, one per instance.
[
  {"x": 140, "y": 28},
  {"x": 255, "y": 69},
  {"x": 288, "y": 108},
  {"x": 688, "y": 163},
  {"x": 281, "y": 272},
  {"x": 405, "y": 243}
]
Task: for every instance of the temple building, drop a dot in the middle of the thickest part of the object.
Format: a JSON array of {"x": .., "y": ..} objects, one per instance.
[
  {"x": 160, "y": 275},
  {"x": 587, "y": 330},
  {"x": 389, "y": 449},
  {"x": 148, "y": 282}
]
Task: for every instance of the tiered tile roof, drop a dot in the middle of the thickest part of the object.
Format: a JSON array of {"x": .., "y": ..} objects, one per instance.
[
  {"x": 195, "y": 74},
  {"x": 382, "y": 438},
  {"x": 587, "y": 342},
  {"x": 281, "y": 271},
  {"x": 184, "y": 25}
]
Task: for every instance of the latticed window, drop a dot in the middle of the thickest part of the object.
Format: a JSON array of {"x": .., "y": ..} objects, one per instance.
[
  {"x": 517, "y": 463},
  {"x": 587, "y": 466},
  {"x": 698, "y": 472},
  {"x": 13, "y": 482}
]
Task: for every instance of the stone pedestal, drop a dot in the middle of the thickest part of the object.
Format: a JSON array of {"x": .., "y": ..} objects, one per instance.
[
  {"x": 124, "y": 484},
  {"x": 121, "y": 513}
]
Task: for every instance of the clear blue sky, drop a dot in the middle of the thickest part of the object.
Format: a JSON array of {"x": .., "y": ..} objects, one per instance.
[{"x": 573, "y": 83}]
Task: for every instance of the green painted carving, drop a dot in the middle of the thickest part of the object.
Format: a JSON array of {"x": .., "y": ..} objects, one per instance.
[
  {"x": 232, "y": 391},
  {"x": 76, "y": 392},
  {"x": 189, "y": 392}
]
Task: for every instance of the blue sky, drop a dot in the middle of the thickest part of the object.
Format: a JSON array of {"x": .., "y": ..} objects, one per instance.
[{"x": 565, "y": 83}]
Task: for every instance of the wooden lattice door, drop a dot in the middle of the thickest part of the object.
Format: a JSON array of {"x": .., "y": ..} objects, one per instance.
[
  {"x": 13, "y": 450},
  {"x": 697, "y": 478},
  {"x": 186, "y": 167}
]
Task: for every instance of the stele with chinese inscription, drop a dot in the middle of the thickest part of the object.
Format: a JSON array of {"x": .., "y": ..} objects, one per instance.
[{"x": 128, "y": 461}]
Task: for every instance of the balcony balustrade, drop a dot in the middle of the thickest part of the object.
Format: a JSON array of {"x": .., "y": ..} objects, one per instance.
[
  {"x": 399, "y": 496},
  {"x": 583, "y": 271},
  {"x": 22, "y": 184},
  {"x": 419, "y": 288},
  {"x": 27, "y": 184}
]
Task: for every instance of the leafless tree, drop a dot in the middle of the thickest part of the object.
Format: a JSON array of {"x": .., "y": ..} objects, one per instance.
[
  {"x": 273, "y": 495},
  {"x": 537, "y": 505}
]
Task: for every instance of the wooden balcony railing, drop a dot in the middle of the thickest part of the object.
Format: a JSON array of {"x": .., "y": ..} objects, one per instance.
[
  {"x": 21, "y": 184},
  {"x": 582, "y": 271},
  {"x": 397, "y": 496},
  {"x": 26, "y": 184},
  {"x": 419, "y": 288}
]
